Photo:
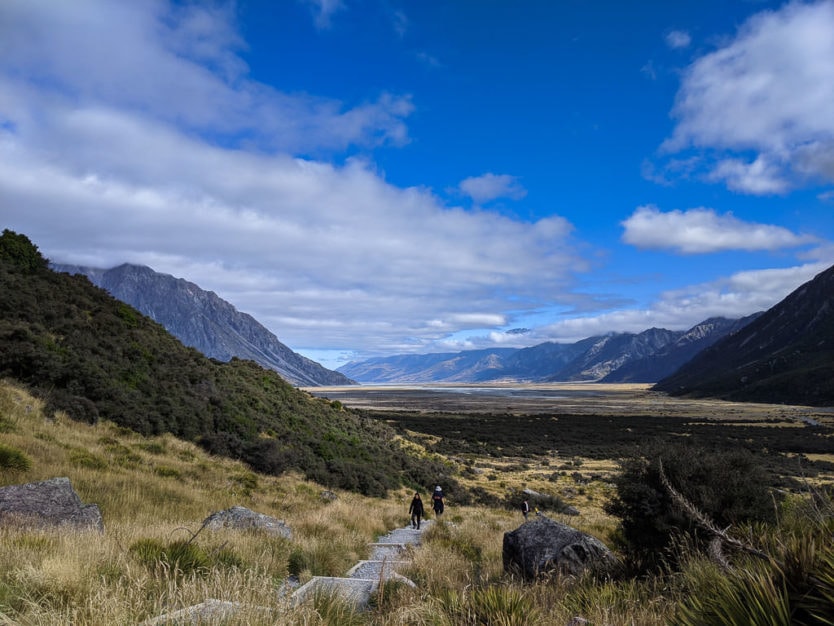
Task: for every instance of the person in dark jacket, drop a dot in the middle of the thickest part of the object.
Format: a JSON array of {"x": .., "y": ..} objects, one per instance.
[
  {"x": 416, "y": 511},
  {"x": 437, "y": 501}
]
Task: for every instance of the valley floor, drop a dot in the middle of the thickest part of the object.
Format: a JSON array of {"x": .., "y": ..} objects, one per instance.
[{"x": 559, "y": 398}]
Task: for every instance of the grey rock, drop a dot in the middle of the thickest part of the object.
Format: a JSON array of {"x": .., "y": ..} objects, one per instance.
[
  {"x": 241, "y": 518},
  {"x": 49, "y": 503},
  {"x": 328, "y": 495},
  {"x": 569, "y": 510},
  {"x": 544, "y": 545}
]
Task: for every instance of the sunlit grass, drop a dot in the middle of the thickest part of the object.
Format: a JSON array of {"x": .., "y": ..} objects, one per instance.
[{"x": 153, "y": 557}]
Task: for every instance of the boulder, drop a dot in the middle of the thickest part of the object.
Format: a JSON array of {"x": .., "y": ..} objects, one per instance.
[
  {"x": 241, "y": 518},
  {"x": 543, "y": 545},
  {"x": 49, "y": 503}
]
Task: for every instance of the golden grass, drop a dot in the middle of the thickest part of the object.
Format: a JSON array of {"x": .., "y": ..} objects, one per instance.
[
  {"x": 160, "y": 489},
  {"x": 156, "y": 492}
]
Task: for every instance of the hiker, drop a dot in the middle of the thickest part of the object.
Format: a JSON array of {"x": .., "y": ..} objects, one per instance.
[
  {"x": 416, "y": 511},
  {"x": 525, "y": 509},
  {"x": 437, "y": 501}
]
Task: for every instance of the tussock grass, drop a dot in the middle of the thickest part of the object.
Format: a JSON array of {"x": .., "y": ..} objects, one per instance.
[{"x": 153, "y": 557}]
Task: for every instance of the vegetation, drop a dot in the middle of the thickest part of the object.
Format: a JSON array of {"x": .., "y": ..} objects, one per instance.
[
  {"x": 159, "y": 437},
  {"x": 97, "y": 359},
  {"x": 728, "y": 486},
  {"x": 611, "y": 436},
  {"x": 153, "y": 559}
]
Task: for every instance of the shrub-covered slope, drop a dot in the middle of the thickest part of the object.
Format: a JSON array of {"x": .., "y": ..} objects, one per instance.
[{"x": 99, "y": 359}]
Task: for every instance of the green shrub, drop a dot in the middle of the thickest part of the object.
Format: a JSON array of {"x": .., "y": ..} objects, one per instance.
[
  {"x": 13, "y": 460},
  {"x": 84, "y": 458},
  {"x": 182, "y": 557},
  {"x": 507, "y": 606},
  {"x": 167, "y": 472},
  {"x": 729, "y": 487}
]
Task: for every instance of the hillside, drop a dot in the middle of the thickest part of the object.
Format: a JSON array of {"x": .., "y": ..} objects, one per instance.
[
  {"x": 96, "y": 358},
  {"x": 669, "y": 358},
  {"x": 784, "y": 356},
  {"x": 203, "y": 320},
  {"x": 617, "y": 357}
]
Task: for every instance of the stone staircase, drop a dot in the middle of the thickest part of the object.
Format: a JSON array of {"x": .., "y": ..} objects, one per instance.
[
  {"x": 359, "y": 584},
  {"x": 357, "y": 587}
]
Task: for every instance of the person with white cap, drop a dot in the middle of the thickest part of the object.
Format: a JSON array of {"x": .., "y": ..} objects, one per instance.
[{"x": 437, "y": 501}]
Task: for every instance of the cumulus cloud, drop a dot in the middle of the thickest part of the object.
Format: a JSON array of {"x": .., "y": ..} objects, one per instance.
[
  {"x": 491, "y": 186},
  {"x": 150, "y": 156},
  {"x": 768, "y": 92},
  {"x": 677, "y": 39},
  {"x": 702, "y": 230}
]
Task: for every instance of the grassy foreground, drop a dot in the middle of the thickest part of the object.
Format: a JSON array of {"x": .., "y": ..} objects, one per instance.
[{"x": 155, "y": 492}]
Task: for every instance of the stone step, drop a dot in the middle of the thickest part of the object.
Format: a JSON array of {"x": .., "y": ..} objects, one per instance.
[
  {"x": 355, "y": 591},
  {"x": 374, "y": 570},
  {"x": 362, "y": 580}
]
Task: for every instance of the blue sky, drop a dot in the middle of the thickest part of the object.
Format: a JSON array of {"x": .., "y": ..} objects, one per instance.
[{"x": 370, "y": 177}]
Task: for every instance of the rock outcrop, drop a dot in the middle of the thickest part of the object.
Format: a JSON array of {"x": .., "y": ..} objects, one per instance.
[
  {"x": 241, "y": 518},
  {"x": 543, "y": 545},
  {"x": 49, "y": 503}
]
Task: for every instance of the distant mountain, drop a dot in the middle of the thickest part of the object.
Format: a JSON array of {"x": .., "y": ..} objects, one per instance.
[
  {"x": 621, "y": 357},
  {"x": 672, "y": 356},
  {"x": 786, "y": 355},
  {"x": 202, "y": 320}
]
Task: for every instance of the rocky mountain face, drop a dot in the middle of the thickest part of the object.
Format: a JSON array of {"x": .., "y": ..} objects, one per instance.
[
  {"x": 786, "y": 355},
  {"x": 203, "y": 320},
  {"x": 623, "y": 357},
  {"x": 669, "y": 358}
]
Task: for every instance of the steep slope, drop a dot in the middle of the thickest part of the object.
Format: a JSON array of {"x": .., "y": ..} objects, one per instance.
[
  {"x": 785, "y": 355},
  {"x": 97, "y": 358},
  {"x": 203, "y": 320},
  {"x": 607, "y": 354},
  {"x": 669, "y": 358}
]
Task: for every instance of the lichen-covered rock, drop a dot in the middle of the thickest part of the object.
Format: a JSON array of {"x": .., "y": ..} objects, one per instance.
[
  {"x": 544, "y": 545},
  {"x": 48, "y": 503},
  {"x": 241, "y": 518}
]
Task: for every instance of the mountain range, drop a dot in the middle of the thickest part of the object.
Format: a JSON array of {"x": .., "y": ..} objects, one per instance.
[
  {"x": 622, "y": 357},
  {"x": 202, "y": 320},
  {"x": 786, "y": 355}
]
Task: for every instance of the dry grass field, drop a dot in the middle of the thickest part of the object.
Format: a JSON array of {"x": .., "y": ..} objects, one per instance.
[{"x": 154, "y": 493}]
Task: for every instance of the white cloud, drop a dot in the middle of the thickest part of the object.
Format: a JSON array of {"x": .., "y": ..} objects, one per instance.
[
  {"x": 174, "y": 65},
  {"x": 702, "y": 230},
  {"x": 150, "y": 156},
  {"x": 760, "y": 177},
  {"x": 491, "y": 186},
  {"x": 323, "y": 11},
  {"x": 735, "y": 296},
  {"x": 677, "y": 39},
  {"x": 769, "y": 92}
]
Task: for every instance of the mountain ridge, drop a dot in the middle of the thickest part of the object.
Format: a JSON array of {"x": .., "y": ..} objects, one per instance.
[
  {"x": 203, "y": 320},
  {"x": 615, "y": 357},
  {"x": 785, "y": 355}
]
